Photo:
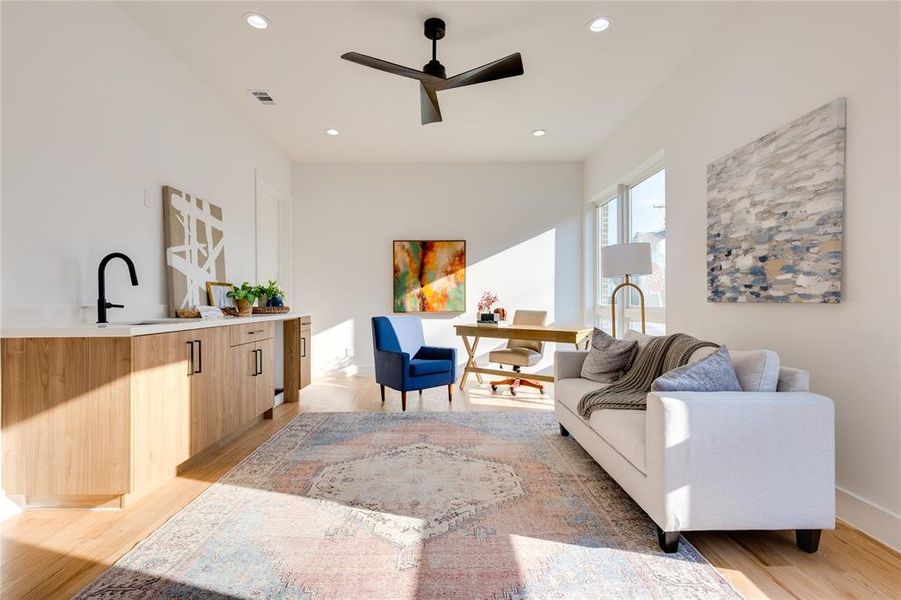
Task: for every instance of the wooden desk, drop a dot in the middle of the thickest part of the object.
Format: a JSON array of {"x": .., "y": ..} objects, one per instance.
[{"x": 532, "y": 333}]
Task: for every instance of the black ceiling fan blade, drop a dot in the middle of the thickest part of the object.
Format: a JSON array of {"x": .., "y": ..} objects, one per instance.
[
  {"x": 509, "y": 66},
  {"x": 428, "y": 102},
  {"x": 389, "y": 67}
]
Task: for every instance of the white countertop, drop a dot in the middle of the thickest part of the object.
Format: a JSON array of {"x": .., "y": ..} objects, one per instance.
[{"x": 130, "y": 329}]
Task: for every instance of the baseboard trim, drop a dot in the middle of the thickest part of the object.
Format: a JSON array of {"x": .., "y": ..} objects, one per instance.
[{"x": 876, "y": 521}]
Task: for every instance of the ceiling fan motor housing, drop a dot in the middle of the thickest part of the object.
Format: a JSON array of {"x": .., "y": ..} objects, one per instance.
[
  {"x": 434, "y": 28},
  {"x": 433, "y": 67}
]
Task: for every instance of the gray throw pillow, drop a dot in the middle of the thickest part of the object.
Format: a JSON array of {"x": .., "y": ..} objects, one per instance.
[
  {"x": 608, "y": 358},
  {"x": 714, "y": 373}
]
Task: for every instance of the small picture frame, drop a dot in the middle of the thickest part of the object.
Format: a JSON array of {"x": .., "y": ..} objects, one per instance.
[{"x": 217, "y": 294}]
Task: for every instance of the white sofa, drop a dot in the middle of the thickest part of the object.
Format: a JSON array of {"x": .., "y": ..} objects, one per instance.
[{"x": 763, "y": 458}]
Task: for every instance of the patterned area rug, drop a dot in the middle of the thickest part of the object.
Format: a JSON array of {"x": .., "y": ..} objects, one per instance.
[{"x": 429, "y": 505}]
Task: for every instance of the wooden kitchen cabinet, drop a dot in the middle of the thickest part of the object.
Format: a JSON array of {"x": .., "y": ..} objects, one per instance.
[
  {"x": 212, "y": 416},
  {"x": 65, "y": 419},
  {"x": 160, "y": 407},
  {"x": 306, "y": 338},
  {"x": 252, "y": 380},
  {"x": 94, "y": 421}
]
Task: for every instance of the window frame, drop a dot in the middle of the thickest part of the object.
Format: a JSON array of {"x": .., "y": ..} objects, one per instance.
[{"x": 621, "y": 192}]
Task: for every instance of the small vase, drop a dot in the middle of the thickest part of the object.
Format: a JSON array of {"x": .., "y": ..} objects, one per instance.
[
  {"x": 275, "y": 301},
  {"x": 264, "y": 300},
  {"x": 245, "y": 308}
]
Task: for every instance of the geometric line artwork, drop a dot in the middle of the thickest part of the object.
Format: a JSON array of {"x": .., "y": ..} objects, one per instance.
[{"x": 195, "y": 247}]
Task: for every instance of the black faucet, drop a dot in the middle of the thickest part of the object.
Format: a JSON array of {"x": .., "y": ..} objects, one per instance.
[{"x": 102, "y": 304}]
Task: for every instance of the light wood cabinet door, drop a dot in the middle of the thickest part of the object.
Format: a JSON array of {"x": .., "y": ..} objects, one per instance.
[
  {"x": 66, "y": 416},
  {"x": 305, "y": 350},
  {"x": 160, "y": 407},
  {"x": 244, "y": 363},
  {"x": 264, "y": 381},
  {"x": 212, "y": 415}
]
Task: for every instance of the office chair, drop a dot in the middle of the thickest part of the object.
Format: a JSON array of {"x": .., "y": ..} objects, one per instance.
[{"x": 520, "y": 353}]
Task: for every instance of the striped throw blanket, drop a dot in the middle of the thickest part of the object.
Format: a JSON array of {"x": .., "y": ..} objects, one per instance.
[{"x": 659, "y": 355}]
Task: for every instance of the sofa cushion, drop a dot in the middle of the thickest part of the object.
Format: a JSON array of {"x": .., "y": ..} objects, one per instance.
[
  {"x": 624, "y": 430},
  {"x": 757, "y": 370},
  {"x": 641, "y": 338},
  {"x": 420, "y": 366},
  {"x": 711, "y": 374},
  {"x": 608, "y": 358}
]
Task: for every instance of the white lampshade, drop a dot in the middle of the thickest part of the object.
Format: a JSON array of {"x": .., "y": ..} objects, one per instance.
[{"x": 626, "y": 259}]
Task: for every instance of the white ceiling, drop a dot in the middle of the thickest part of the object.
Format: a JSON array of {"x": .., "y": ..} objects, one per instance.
[{"x": 577, "y": 85}]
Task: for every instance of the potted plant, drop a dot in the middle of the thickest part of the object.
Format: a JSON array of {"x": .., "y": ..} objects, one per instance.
[
  {"x": 244, "y": 295},
  {"x": 270, "y": 294},
  {"x": 487, "y": 300}
]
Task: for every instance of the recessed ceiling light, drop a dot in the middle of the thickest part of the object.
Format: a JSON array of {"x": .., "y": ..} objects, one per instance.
[
  {"x": 256, "y": 20},
  {"x": 332, "y": 131},
  {"x": 598, "y": 24},
  {"x": 539, "y": 132}
]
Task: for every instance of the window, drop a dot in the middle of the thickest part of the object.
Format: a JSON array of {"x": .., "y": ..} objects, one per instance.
[{"x": 636, "y": 213}]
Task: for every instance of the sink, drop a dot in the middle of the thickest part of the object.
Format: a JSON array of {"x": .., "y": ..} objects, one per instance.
[{"x": 136, "y": 323}]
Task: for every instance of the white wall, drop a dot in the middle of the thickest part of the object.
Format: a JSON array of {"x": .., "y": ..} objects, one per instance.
[
  {"x": 520, "y": 223},
  {"x": 777, "y": 63},
  {"x": 96, "y": 114}
]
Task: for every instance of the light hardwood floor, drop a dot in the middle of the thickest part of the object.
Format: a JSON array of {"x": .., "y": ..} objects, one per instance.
[{"x": 54, "y": 553}]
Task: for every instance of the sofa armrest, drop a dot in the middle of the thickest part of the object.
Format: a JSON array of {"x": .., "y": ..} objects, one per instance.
[
  {"x": 742, "y": 460},
  {"x": 568, "y": 363}
]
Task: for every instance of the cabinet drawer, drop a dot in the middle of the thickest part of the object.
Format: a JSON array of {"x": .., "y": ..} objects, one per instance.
[{"x": 251, "y": 332}]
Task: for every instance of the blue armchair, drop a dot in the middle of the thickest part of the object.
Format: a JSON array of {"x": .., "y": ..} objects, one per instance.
[{"x": 404, "y": 363}]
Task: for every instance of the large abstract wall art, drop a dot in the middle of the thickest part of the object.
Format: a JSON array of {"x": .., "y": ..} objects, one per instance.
[
  {"x": 195, "y": 247},
  {"x": 774, "y": 214},
  {"x": 430, "y": 276}
]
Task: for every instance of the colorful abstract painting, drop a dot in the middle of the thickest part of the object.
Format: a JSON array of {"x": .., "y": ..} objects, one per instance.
[
  {"x": 429, "y": 276},
  {"x": 774, "y": 214}
]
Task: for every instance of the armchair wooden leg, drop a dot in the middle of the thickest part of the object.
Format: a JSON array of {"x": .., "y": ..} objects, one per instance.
[
  {"x": 403, "y": 401},
  {"x": 668, "y": 540},
  {"x": 383, "y": 394},
  {"x": 564, "y": 431},
  {"x": 450, "y": 392},
  {"x": 808, "y": 540}
]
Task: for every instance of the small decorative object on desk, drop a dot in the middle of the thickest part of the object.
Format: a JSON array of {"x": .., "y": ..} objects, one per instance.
[
  {"x": 501, "y": 313},
  {"x": 187, "y": 313},
  {"x": 244, "y": 297},
  {"x": 487, "y": 300}
]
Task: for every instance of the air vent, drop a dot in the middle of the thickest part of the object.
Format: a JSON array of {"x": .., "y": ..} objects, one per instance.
[{"x": 263, "y": 96}]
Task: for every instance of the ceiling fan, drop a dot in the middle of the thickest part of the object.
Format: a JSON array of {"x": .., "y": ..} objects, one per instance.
[{"x": 433, "y": 77}]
